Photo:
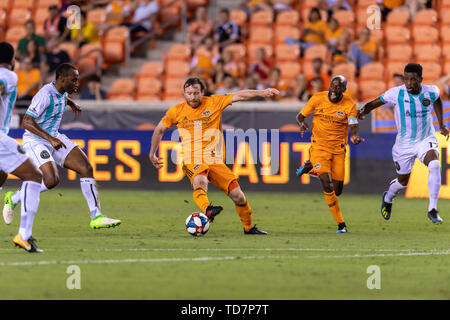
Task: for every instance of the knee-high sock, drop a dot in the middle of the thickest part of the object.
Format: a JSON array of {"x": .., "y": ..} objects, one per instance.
[
  {"x": 434, "y": 183},
  {"x": 90, "y": 193},
  {"x": 333, "y": 204},
  {"x": 29, "y": 198},
  {"x": 394, "y": 189},
  {"x": 16, "y": 195},
  {"x": 201, "y": 199},
  {"x": 245, "y": 213}
]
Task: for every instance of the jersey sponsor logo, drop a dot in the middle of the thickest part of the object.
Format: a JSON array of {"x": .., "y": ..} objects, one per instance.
[
  {"x": 20, "y": 150},
  {"x": 426, "y": 102},
  {"x": 340, "y": 114},
  {"x": 45, "y": 155},
  {"x": 196, "y": 167},
  {"x": 206, "y": 113},
  {"x": 317, "y": 166}
]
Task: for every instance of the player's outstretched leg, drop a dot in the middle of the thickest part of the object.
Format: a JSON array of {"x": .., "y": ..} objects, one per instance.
[
  {"x": 434, "y": 185},
  {"x": 386, "y": 202}
]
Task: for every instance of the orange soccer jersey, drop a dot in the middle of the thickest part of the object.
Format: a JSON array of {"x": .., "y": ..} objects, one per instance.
[
  {"x": 330, "y": 121},
  {"x": 200, "y": 129}
]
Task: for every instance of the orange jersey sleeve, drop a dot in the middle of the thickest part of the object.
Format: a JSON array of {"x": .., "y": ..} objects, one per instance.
[
  {"x": 170, "y": 118},
  {"x": 310, "y": 107},
  {"x": 221, "y": 101}
]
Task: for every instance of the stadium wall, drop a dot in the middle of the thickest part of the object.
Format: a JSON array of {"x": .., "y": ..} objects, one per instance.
[{"x": 120, "y": 160}]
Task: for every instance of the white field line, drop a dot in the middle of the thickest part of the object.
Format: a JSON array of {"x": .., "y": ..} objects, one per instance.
[{"x": 401, "y": 254}]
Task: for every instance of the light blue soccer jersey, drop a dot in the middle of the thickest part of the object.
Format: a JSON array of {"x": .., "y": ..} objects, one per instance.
[
  {"x": 413, "y": 113},
  {"x": 7, "y": 101},
  {"x": 47, "y": 108}
]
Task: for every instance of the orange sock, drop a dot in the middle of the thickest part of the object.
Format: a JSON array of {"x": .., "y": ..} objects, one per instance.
[
  {"x": 200, "y": 199},
  {"x": 333, "y": 204},
  {"x": 245, "y": 213}
]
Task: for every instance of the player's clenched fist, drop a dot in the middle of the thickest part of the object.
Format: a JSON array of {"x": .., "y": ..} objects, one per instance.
[
  {"x": 57, "y": 144},
  {"x": 157, "y": 162},
  {"x": 356, "y": 139}
]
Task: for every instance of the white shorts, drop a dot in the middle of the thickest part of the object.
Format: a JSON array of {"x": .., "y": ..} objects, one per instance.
[
  {"x": 41, "y": 151},
  {"x": 404, "y": 158},
  {"x": 12, "y": 155}
]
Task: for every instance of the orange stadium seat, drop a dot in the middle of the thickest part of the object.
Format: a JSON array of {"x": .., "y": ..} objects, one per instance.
[
  {"x": 445, "y": 16},
  {"x": 239, "y": 51},
  {"x": 115, "y": 44},
  {"x": 345, "y": 18},
  {"x": 446, "y": 51},
  {"x": 283, "y": 32},
  {"x": 253, "y": 47},
  {"x": 425, "y": 34},
  {"x": 261, "y": 35},
  {"x": 348, "y": 70},
  {"x": 371, "y": 89},
  {"x": 288, "y": 18},
  {"x": 26, "y": 4},
  {"x": 177, "y": 69},
  {"x": 447, "y": 67},
  {"x": 96, "y": 16},
  {"x": 148, "y": 86},
  {"x": 361, "y": 17},
  {"x": 71, "y": 49},
  {"x": 398, "y": 18},
  {"x": 18, "y": 16},
  {"x": 5, "y": 4},
  {"x": 40, "y": 14},
  {"x": 47, "y": 3},
  {"x": 238, "y": 16},
  {"x": 393, "y": 67},
  {"x": 372, "y": 71},
  {"x": 445, "y": 33},
  {"x": 431, "y": 70},
  {"x": 427, "y": 52},
  {"x": 14, "y": 34},
  {"x": 167, "y": 14},
  {"x": 426, "y": 17},
  {"x": 121, "y": 87},
  {"x": 366, "y": 3},
  {"x": 395, "y": 35},
  {"x": 152, "y": 69},
  {"x": 287, "y": 52},
  {"x": 179, "y": 52},
  {"x": 377, "y": 35},
  {"x": 318, "y": 50},
  {"x": 289, "y": 70},
  {"x": 2, "y": 20},
  {"x": 399, "y": 52},
  {"x": 90, "y": 61},
  {"x": 174, "y": 86},
  {"x": 261, "y": 18},
  {"x": 352, "y": 89},
  {"x": 444, "y": 3}
]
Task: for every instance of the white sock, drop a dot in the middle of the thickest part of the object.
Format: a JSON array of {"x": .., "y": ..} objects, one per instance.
[
  {"x": 90, "y": 193},
  {"x": 394, "y": 189},
  {"x": 29, "y": 198},
  {"x": 434, "y": 183},
  {"x": 16, "y": 195}
]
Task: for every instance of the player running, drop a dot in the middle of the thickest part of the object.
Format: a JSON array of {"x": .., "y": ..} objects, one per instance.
[
  {"x": 48, "y": 148},
  {"x": 199, "y": 122},
  {"x": 416, "y": 135},
  {"x": 13, "y": 158},
  {"x": 334, "y": 112}
]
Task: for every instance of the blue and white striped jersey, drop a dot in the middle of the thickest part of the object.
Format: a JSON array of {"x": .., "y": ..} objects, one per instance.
[
  {"x": 413, "y": 113},
  {"x": 7, "y": 101}
]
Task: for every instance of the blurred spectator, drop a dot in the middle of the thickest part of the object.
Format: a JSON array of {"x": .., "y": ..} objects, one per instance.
[
  {"x": 227, "y": 31},
  {"x": 445, "y": 82},
  {"x": 282, "y": 5},
  {"x": 229, "y": 85},
  {"x": 262, "y": 65},
  {"x": 398, "y": 79},
  {"x": 28, "y": 80},
  {"x": 276, "y": 82},
  {"x": 118, "y": 12},
  {"x": 334, "y": 5},
  {"x": 316, "y": 86},
  {"x": 251, "y": 83},
  {"x": 93, "y": 90},
  {"x": 219, "y": 74},
  {"x": 144, "y": 15},
  {"x": 340, "y": 53},
  {"x": 318, "y": 71},
  {"x": 332, "y": 33},
  {"x": 205, "y": 59},
  {"x": 258, "y": 5},
  {"x": 300, "y": 90},
  {"x": 56, "y": 24},
  {"x": 55, "y": 56},
  {"x": 200, "y": 28},
  {"x": 30, "y": 28},
  {"x": 229, "y": 65},
  {"x": 363, "y": 50},
  {"x": 313, "y": 32},
  {"x": 87, "y": 33}
]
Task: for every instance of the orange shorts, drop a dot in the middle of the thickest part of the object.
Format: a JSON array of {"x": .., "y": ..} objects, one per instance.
[
  {"x": 327, "y": 162},
  {"x": 218, "y": 174}
]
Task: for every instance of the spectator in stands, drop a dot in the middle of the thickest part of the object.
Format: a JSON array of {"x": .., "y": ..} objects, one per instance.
[
  {"x": 87, "y": 33},
  {"x": 332, "y": 33},
  {"x": 251, "y": 83},
  {"x": 318, "y": 71},
  {"x": 313, "y": 32},
  {"x": 340, "y": 53},
  {"x": 36, "y": 57},
  {"x": 300, "y": 90},
  {"x": 316, "y": 86},
  {"x": 262, "y": 64},
  {"x": 284, "y": 5},
  {"x": 199, "y": 29},
  {"x": 219, "y": 74},
  {"x": 227, "y": 31},
  {"x": 445, "y": 82},
  {"x": 93, "y": 91},
  {"x": 276, "y": 82},
  {"x": 229, "y": 85},
  {"x": 28, "y": 80},
  {"x": 229, "y": 65},
  {"x": 55, "y": 56},
  {"x": 364, "y": 50},
  {"x": 144, "y": 15},
  {"x": 398, "y": 79},
  {"x": 334, "y": 5},
  {"x": 118, "y": 12},
  {"x": 30, "y": 28},
  {"x": 56, "y": 25},
  {"x": 205, "y": 59}
]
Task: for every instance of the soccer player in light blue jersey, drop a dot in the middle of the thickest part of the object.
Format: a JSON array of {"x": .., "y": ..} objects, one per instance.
[
  {"x": 48, "y": 148},
  {"x": 413, "y": 103},
  {"x": 13, "y": 158}
]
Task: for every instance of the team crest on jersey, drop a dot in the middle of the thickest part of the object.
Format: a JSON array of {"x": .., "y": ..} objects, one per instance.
[
  {"x": 340, "y": 114},
  {"x": 196, "y": 167},
  {"x": 206, "y": 113},
  {"x": 45, "y": 155},
  {"x": 426, "y": 102},
  {"x": 20, "y": 150},
  {"x": 317, "y": 166}
]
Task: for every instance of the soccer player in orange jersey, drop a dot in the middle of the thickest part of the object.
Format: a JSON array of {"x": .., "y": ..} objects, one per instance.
[
  {"x": 199, "y": 123},
  {"x": 334, "y": 111}
]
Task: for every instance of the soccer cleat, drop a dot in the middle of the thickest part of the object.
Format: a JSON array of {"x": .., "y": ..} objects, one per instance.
[
  {"x": 433, "y": 215},
  {"x": 342, "y": 228},
  {"x": 101, "y": 221},
  {"x": 254, "y": 230},
  {"x": 28, "y": 245},
  {"x": 8, "y": 208},
  {"x": 305, "y": 168},
  {"x": 211, "y": 212},
  {"x": 385, "y": 208}
]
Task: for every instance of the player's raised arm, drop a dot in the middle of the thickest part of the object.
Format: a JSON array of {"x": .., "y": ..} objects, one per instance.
[
  {"x": 369, "y": 106},
  {"x": 244, "y": 95},
  {"x": 437, "y": 105},
  {"x": 156, "y": 139}
]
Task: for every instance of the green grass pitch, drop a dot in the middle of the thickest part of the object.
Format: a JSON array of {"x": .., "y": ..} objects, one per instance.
[{"x": 151, "y": 256}]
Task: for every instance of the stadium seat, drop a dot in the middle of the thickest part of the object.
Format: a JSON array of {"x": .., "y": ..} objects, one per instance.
[
  {"x": 177, "y": 69},
  {"x": 431, "y": 70},
  {"x": 148, "y": 86},
  {"x": 396, "y": 35},
  {"x": 90, "y": 61},
  {"x": 71, "y": 49},
  {"x": 239, "y": 51},
  {"x": 25, "y": 4},
  {"x": 287, "y": 52},
  {"x": 174, "y": 86},
  {"x": 444, "y": 4},
  {"x": 352, "y": 89},
  {"x": 18, "y": 17},
  {"x": 96, "y": 16},
  {"x": 261, "y": 18},
  {"x": 361, "y": 17},
  {"x": 398, "y": 18},
  {"x": 346, "y": 18},
  {"x": 170, "y": 13},
  {"x": 177, "y": 98},
  {"x": 371, "y": 89},
  {"x": 179, "y": 52},
  {"x": 115, "y": 44},
  {"x": 283, "y": 32},
  {"x": 445, "y": 33},
  {"x": 427, "y": 52},
  {"x": 425, "y": 17},
  {"x": 253, "y": 47},
  {"x": 2, "y": 20},
  {"x": 365, "y": 3},
  {"x": 393, "y": 67},
  {"x": 399, "y": 52},
  {"x": 446, "y": 51},
  {"x": 425, "y": 34},
  {"x": 445, "y": 16},
  {"x": 40, "y": 14},
  {"x": 377, "y": 35},
  {"x": 5, "y": 5},
  {"x": 14, "y": 34},
  {"x": 47, "y": 3},
  {"x": 372, "y": 71},
  {"x": 289, "y": 70},
  {"x": 147, "y": 97},
  {"x": 239, "y": 17},
  {"x": 152, "y": 69},
  {"x": 318, "y": 50},
  {"x": 288, "y": 18},
  {"x": 348, "y": 70},
  {"x": 260, "y": 35},
  {"x": 122, "y": 87}
]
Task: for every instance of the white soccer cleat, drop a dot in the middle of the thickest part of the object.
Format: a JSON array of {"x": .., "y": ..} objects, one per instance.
[{"x": 8, "y": 208}]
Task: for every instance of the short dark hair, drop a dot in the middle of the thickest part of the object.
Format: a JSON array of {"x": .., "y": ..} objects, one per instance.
[
  {"x": 414, "y": 68},
  {"x": 63, "y": 69},
  {"x": 94, "y": 78},
  {"x": 192, "y": 81},
  {"x": 316, "y": 10},
  {"x": 225, "y": 10},
  {"x": 83, "y": 13},
  {"x": 6, "y": 52}
]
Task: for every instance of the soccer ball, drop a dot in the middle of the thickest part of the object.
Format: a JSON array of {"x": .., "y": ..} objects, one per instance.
[{"x": 197, "y": 224}]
